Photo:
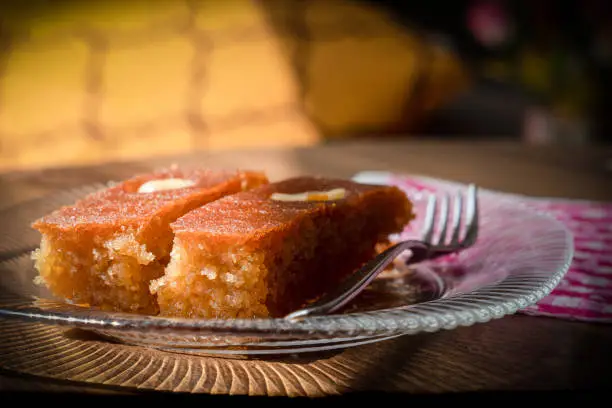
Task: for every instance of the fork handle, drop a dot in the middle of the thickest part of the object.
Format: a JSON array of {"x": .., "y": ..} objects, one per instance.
[{"x": 355, "y": 283}]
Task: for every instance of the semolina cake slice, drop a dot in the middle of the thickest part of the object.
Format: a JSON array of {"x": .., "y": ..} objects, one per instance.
[
  {"x": 267, "y": 251},
  {"x": 105, "y": 249}
]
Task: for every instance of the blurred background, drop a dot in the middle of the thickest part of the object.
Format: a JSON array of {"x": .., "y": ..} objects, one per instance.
[{"x": 83, "y": 82}]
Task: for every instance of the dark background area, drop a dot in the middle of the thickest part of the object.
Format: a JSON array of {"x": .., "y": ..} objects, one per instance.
[{"x": 572, "y": 38}]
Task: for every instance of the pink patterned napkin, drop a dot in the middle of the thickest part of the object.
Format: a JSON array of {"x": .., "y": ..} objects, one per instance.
[{"x": 585, "y": 293}]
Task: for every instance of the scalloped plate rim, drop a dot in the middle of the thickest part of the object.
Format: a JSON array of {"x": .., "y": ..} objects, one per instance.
[{"x": 122, "y": 323}]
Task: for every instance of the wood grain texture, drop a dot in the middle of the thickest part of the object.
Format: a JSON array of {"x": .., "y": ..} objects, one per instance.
[
  {"x": 514, "y": 353},
  {"x": 579, "y": 173}
]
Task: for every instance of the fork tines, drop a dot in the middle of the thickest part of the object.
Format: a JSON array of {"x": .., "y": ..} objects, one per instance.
[{"x": 437, "y": 219}]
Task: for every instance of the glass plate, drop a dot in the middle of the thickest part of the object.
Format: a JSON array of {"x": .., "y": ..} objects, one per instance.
[{"x": 520, "y": 256}]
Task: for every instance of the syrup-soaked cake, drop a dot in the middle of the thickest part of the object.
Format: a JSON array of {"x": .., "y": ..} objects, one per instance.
[
  {"x": 105, "y": 249},
  {"x": 267, "y": 251}
]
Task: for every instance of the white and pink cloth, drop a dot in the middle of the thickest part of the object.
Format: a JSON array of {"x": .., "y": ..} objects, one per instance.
[{"x": 585, "y": 293}]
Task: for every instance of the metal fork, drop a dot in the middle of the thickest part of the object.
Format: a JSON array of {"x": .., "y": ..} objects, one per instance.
[{"x": 425, "y": 249}]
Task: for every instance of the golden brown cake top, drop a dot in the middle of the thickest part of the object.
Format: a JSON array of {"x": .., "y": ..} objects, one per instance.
[
  {"x": 124, "y": 204},
  {"x": 271, "y": 206}
]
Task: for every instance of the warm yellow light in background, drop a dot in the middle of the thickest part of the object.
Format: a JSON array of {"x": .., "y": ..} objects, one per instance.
[{"x": 85, "y": 82}]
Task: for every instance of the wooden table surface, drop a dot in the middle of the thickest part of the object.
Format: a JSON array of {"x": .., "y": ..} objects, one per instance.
[{"x": 513, "y": 353}]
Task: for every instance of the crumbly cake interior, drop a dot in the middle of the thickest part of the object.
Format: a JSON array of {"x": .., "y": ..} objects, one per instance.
[
  {"x": 104, "y": 250},
  {"x": 109, "y": 271},
  {"x": 249, "y": 256}
]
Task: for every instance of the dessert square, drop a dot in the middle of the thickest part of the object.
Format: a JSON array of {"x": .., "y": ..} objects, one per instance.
[
  {"x": 268, "y": 251},
  {"x": 104, "y": 250}
]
